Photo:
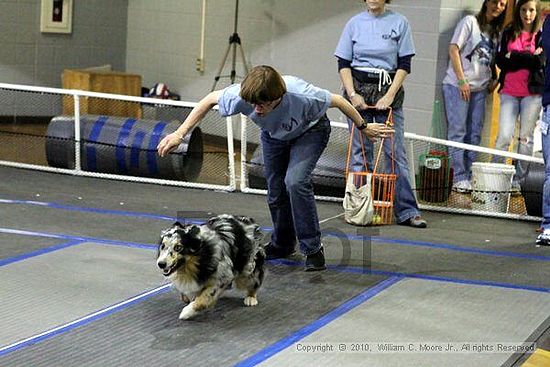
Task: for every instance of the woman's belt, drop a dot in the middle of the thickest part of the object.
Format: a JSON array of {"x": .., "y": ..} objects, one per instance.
[
  {"x": 368, "y": 77},
  {"x": 372, "y": 86}
]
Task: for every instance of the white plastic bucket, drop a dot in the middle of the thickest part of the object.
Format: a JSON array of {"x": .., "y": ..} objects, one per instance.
[{"x": 491, "y": 184}]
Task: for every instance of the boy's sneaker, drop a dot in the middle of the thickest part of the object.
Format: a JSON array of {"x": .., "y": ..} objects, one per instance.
[
  {"x": 543, "y": 239},
  {"x": 273, "y": 252},
  {"x": 316, "y": 261},
  {"x": 462, "y": 187}
]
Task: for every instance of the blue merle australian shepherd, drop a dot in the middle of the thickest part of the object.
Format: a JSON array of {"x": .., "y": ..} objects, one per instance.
[{"x": 202, "y": 261}]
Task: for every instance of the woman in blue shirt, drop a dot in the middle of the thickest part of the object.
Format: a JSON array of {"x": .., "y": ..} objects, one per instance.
[
  {"x": 295, "y": 130},
  {"x": 374, "y": 57}
]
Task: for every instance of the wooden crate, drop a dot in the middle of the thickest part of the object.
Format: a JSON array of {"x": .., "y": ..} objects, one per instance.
[{"x": 105, "y": 82}]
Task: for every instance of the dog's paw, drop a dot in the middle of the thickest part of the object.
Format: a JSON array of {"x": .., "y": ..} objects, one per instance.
[
  {"x": 187, "y": 312},
  {"x": 250, "y": 301}
]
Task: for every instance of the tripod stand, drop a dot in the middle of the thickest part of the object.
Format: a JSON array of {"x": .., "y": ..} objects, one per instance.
[{"x": 234, "y": 41}]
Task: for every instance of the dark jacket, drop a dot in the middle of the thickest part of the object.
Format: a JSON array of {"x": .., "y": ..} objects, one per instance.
[
  {"x": 546, "y": 46},
  {"x": 521, "y": 60}
]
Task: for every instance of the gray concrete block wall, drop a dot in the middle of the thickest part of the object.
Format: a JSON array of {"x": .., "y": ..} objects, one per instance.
[
  {"x": 421, "y": 86},
  {"x": 288, "y": 34},
  {"x": 160, "y": 40},
  {"x": 28, "y": 56}
]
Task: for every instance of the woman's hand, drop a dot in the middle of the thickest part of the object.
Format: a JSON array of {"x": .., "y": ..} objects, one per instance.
[
  {"x": 465, "y": 91},
  {"x": 385, "y": 102},
  {"x": 169, "y": 143},
  {"x": 493, "y": 84},
  {"x": 358, "y": 102},
  {"x": 377, "y": 130}
]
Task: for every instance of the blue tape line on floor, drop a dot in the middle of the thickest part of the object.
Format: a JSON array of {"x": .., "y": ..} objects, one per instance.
[
  {"x": 145, "y": 246},
  {"x": 316, "y": 325},
  {"x": 443, "y": 246},
  {"x": 89, "y": 210},
  {"x": 82, "y": 321},
  {"x": 267, "y": 352},
  {"x": 368, "y": 271},
  {"x": 43, "y": 251},
  {"x": 352, "y": 237}
]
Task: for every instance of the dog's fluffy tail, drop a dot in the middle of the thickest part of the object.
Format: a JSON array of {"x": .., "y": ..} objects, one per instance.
[
  {"x": 245, "y": 219},
  {"x": 259, "y": 258},
  {"x": 258, "y": 235}
]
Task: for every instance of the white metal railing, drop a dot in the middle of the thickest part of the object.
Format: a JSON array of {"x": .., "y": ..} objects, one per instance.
[
  {"x": 77, "y": 171},
  {"x": 244, "y": 169},
  {"x": 232, "y": 169},
  {"x": 411, "y": 138},
  {"x": 474, "y": 148}
]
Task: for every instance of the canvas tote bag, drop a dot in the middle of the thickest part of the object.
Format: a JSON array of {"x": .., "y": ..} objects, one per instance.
[{"x": 358, "y": 202}]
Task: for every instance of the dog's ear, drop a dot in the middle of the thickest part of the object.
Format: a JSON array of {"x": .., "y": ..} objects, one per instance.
[
  {"x": 194, "y": 241},
  {"x": 164, "y": 232},
  {"x": 194, "y": 231},
  {"x": 178, "y": 224}
]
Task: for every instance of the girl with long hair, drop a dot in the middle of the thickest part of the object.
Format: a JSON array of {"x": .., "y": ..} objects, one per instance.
[
  {"x": 520, "y": 59},
  {"x": 470, "y": 77}
]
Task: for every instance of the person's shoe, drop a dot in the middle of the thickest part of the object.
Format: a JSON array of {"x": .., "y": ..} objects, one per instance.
[
  {"x": 316, "y": 261},
  {"x": 273, "y": 252},
  {"x": 415, "y": 222},
  {"x": 462, "y": 187},
  {"x": 543, "y": 239}
]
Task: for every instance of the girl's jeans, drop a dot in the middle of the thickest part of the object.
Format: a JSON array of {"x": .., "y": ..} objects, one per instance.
[
  {"x": 464, "y": 125},
  {"x": 528, "y": 109}
]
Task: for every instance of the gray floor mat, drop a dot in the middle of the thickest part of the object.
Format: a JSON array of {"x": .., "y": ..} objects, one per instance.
[
  {"x": 418, "y": 311},
  {"x": 390, "y": 256},
  {"x": 45, "y": 291},
  {"x": 440, "y": 262},
  {"x": 15, "y": 245},
  {"x": 149, "y": 333}
]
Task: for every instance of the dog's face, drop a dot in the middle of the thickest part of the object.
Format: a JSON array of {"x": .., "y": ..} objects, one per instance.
[{"x": 177, "y": 245}]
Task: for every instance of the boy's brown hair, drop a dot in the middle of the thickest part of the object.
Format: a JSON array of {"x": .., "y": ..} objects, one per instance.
[{"x": 262, "y": 84}]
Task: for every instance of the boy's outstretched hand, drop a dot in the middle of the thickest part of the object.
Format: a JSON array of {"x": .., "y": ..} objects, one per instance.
[{"x": 169, "y": 143}]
